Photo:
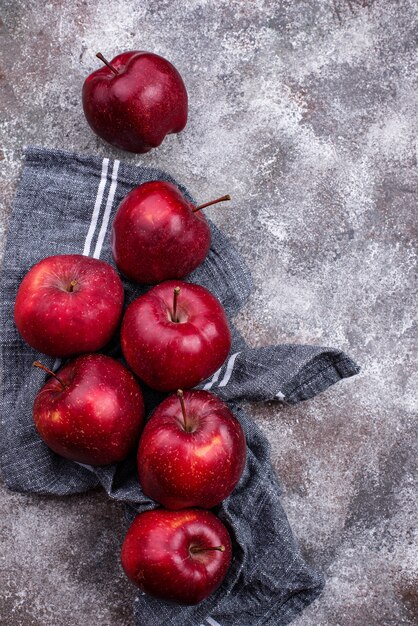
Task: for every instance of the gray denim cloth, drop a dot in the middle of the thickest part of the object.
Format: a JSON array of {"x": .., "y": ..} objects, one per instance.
[{"x": 65, "y": 204}]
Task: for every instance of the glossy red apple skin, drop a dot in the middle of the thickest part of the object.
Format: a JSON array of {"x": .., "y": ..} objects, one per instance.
[
  {"x": 157, "y": 554},
  {"x": 63, "y": 323},
  {"x": 193, "y": 462},
  {"x": 170, "y": 355},
  {"x": 156, "y": 236},
  {"x": 97, "y": 418},
  {"x": 137, "y": 107}
]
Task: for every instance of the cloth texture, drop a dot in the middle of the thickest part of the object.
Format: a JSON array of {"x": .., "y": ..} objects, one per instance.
[{"x": 65, "y": 204}]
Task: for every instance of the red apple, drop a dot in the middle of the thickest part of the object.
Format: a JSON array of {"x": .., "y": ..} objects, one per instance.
[
  {"x": 158, "y": 234},
  {"x": 90, "y": 411},
  {"x": 181, "y": 556},
  {"x": 69, "y": 304},
  {"x": 174, "y": 342},
  {"x": 134, "y": 101},
  {"x": 192, "y": 451}
]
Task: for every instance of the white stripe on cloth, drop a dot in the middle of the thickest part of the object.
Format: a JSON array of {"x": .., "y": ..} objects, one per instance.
[
  {"x": 88, "y": 467},
  {"x": 57, "y": 364},
  {"x": 106, "y": 215},
  {"x": 92, "y": 228},
  {"x": 229, "y": 368},
  {"x": 97, "y": 205},
  {"x": 210, "y": 620},
  {"x": 213, "y": 380}
]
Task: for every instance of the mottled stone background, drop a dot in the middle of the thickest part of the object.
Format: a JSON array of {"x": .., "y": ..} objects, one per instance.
[{"x": 304, "y": 111}]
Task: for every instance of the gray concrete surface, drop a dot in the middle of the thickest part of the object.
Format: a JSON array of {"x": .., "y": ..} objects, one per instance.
[{"x": 304, "y": 111}]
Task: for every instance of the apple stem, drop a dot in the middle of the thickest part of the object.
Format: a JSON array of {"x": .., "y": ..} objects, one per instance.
[
  {"x": 195, "y": 550},
  {"x": 180, "y": 396},
  {"x": 50, "y": 372},
  {"x": 175, "y": 298},
  {"x": 72, "y": 285},
  {"x": 203, "y": 206},
  {"x": 100, "y": 56}
]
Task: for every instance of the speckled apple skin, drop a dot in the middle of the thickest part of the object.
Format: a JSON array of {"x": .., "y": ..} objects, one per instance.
[
  {"x": 65, "y": 323},
  {"x": 156, "y": 554},
  {"x": 156, "y": 236},
  {"x": 171, "y": 355},
  {"x": 181, "y": 469},
  {"x": 97, "y": 418},
  {"x": 135, "y": 109}
]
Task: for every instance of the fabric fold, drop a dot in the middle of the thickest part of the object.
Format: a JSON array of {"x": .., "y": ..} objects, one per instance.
[{"x": 288, "y": 373}]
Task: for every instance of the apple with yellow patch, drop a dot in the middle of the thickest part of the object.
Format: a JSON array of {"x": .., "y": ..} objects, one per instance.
[
  {"x": 192, "y": 451},
  {"x": 179, "y": 556}
]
